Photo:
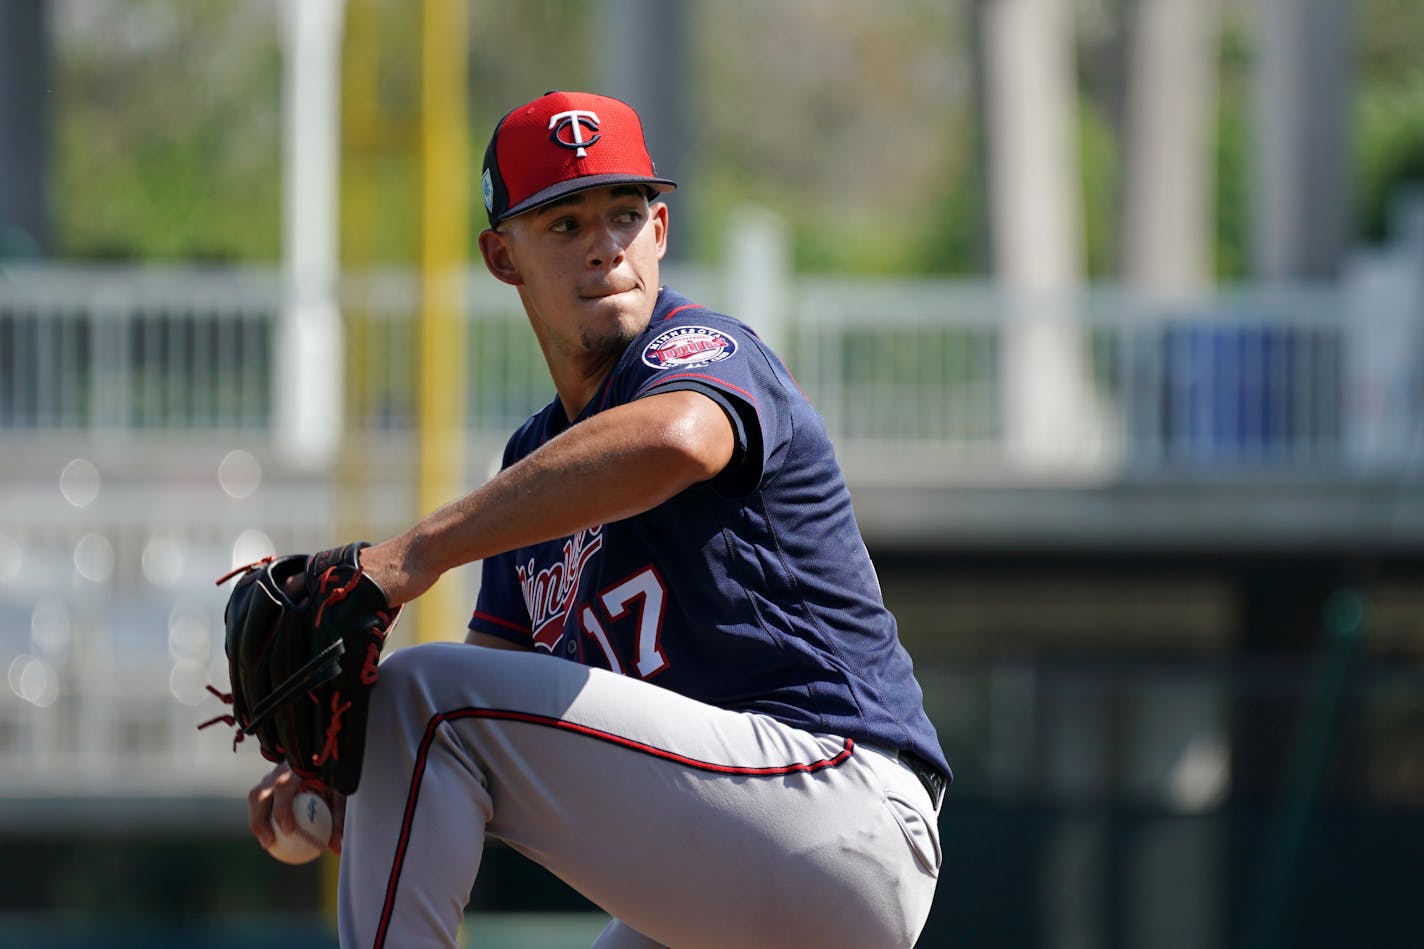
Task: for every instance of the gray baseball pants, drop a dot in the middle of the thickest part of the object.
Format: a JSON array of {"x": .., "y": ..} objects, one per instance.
[{"x": 691, "y": 825}]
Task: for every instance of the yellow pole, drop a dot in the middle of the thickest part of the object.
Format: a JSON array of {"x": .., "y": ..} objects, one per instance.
[{"x": 444, "y": 251}]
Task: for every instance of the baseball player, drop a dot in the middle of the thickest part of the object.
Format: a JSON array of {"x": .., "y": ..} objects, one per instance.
[{"x": 681, "y": 691}]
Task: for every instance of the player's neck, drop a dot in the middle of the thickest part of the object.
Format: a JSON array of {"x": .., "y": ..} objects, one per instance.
[{"x": 578, "y": 380}]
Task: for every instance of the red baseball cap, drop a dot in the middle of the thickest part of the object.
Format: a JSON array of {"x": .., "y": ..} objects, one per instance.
[{"x": 560, "y": 143}]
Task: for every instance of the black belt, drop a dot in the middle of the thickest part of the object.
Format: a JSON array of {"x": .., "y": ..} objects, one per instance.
[{"x": 931, "y": 777}]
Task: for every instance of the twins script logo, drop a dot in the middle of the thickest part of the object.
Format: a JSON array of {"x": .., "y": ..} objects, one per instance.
[
  {"x": 549, "y": 591},
  {"x": 574, "y": 121},
  {"x": 688, "y": 346}
]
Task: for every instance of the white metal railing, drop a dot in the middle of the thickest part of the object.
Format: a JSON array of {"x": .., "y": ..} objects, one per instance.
[
  {"x": 1236, "y": 380},
  {"x": 116, "y": 351},
  {"x": 172, "y": 356}
]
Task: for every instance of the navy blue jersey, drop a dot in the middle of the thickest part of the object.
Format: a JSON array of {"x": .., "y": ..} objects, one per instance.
[{"x": 752, "y": 591}]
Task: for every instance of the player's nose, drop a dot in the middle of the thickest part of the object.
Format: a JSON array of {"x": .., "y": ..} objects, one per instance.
[{"x": 605, "y": 248}]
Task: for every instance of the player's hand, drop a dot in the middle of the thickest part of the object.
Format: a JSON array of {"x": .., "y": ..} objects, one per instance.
[
  {"x": 392, "y": 568},
  {"x": 273, "y": 795}
]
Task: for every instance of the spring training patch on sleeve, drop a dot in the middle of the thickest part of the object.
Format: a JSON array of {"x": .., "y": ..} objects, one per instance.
[{"x": 686, "y": 346}]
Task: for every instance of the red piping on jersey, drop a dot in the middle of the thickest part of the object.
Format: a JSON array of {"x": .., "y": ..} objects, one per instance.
[
  {"x": 678, "y": 309},
  {"x": 502, "y": 622},
  {"x": 422, "y": 755},
  {"x": 659, "y": 380}
]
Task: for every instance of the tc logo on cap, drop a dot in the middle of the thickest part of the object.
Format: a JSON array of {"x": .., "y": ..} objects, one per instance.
[{"x": 574, "y": 120}]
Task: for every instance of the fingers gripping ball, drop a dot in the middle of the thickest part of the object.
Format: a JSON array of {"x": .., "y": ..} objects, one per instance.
[
  {"x": 309, "y": 837},
  {"x": 304, "y": 635}
]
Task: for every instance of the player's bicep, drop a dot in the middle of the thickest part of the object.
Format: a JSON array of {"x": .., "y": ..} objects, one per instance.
[
  {"x": 740, "y": 465},
  {"x": 697, "y": 428}
]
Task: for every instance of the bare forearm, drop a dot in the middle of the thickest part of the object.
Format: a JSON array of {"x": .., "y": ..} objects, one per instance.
[
  {"x": 569, "y": 484},
  {"x": 614, "y": 465}
]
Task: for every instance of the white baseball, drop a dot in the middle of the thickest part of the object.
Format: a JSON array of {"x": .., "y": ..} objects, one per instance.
[{"x": 308, "y": 839}]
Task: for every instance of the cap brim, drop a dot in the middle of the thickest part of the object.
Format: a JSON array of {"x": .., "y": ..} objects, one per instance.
[{"x": 565, "y": 188}]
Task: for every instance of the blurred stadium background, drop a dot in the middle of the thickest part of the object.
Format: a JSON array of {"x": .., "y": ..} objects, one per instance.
[{"x": 1115, "y": 307}]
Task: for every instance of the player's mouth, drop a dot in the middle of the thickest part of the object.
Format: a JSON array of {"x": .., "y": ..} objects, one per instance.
[{"x": 602, "y": 293}]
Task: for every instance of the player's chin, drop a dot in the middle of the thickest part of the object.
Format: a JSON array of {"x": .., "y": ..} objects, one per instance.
[{"x": 612, "y": 336}]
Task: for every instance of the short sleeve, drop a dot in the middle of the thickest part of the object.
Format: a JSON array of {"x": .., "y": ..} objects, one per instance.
[{"x": 723, "y": 359}]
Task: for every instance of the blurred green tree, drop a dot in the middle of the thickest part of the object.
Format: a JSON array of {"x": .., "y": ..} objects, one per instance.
[
  {"x": 167, "y": 126},
  {"x": 854, "y": 121}
]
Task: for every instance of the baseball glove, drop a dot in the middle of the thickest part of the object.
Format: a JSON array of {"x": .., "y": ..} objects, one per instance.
[{"x": 304, "y": 634}]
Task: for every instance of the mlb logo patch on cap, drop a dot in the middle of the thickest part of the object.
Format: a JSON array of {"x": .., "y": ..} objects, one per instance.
[{"x": 560, "y": 143}]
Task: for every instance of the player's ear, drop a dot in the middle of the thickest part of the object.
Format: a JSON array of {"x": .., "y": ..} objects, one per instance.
[
  {"x": 659, "y": 211},
  {"x": 495, "y": 249}
]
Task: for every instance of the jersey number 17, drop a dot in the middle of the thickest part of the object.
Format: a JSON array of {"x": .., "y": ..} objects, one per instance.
[{"x": 644, "y": 588}]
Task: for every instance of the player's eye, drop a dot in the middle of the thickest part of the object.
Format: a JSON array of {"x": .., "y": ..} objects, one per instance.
[{"x": 563, "y": 225}]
